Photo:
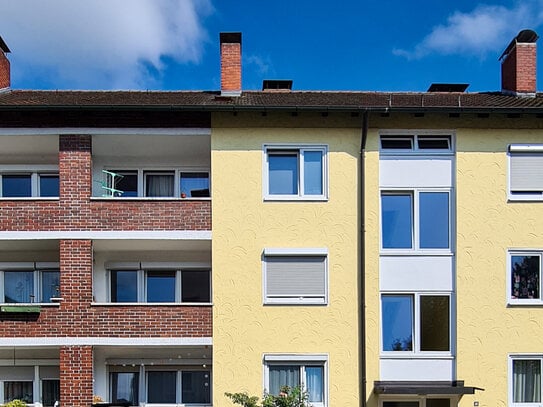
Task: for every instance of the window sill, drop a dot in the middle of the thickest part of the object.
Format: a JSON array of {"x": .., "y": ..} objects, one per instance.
[
  {"x": 146, "y": 198},
  {"x": 411, "y": 355},
  {"x": 29, "y": 304},
  {"x": 425, "y": 252},
  {"x": 294, "y": 199},
  {"x": 30, "y": 198},
  {"x": 293, "y": 301},
  {"x": 524, "y": 303},
  {"x": 152, "y": 304}
]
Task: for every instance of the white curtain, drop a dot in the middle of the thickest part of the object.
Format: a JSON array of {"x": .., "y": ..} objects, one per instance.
[
  {"x": 526, "y": 381},
  {"x": 283, "y": 376},
  {"x": 314, "y": 378},
  {"x": 160, "y": 185}
]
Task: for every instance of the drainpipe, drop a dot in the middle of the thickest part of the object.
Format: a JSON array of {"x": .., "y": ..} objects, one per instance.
[{"x": 362, "y": 257}]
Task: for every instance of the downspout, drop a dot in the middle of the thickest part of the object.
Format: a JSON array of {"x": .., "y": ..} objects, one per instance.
[{"x": 362, "y": 257}]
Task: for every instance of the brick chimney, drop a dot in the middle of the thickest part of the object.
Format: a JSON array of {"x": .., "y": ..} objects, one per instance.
[
  {"x": 5, "y": 81},
  {"x": 519, "y": 65},
  {"x": 230, "y": 64}
]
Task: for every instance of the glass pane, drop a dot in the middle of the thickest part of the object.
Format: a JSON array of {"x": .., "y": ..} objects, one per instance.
[
  {"x": 128, "y": 183},
  {"x": 434, "y": 323},
  {"x": 397, "y": 221},
  {"x": 526, "y": 381},
  {"x": 161, "y": 286},
  {"x": 434, "y": 220},
  {"x": 525, "y": 277},
  {"x": 194, "y": 184},
  {"x": 283, "y": 376},
  {"x": 50, "y": 285},
  {"x": 404, "y": 143},
  {"x": 124, "y": 286},
  {"x": 438, "y": 403},
  {"x": 313, "y": 171},
  {"x": 397, "y": 322},
  {"x": 49, "y": 185},
  {"x": 19, "y": 286},
  {"x": 158, "y": 185},
  {"x": 50, "y": 392},
  {"x": 161, "y": 387},
  {"x": 283, "y": 173},
  {"x": 195, "y": 286},
  {"x": 196, "y": 387},
  {"x": 14, "y": 186},
  {"x": 434, "y": 143},
  {"x": 400, "y": 404},
  {"x": 315, "y": 383},
  {"x": 125, "y": 387},
  {"x": 18, "y": 391}
]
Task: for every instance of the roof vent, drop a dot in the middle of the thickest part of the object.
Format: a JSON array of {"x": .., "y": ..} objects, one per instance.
[
  {"x": 448, "y": 87},
  {"x": 282, "y": 85}
]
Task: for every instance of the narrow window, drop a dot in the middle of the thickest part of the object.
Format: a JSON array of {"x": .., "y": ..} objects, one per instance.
[
  {"x": 525, "y": 277},
  {"x": 50, "y": 392},
  {"x": 434, "y": 323},
  {"x": 397, "y": 220},
  {"x": 161, "y": 387},
  {"x": 313, "y": 173},
  {"x": 159, "y": 184},
  {"x": 49, "y": 185},
  {"x": 283, "y": 173},
  {"x": 124, "y": 286},
  {"x": 50, "y": 285},
  {"x": 195, "y": 286},
  {"x": 196, "y": 387},
  {"x": 397, "y": 313},
  {"x": 160, "y": 286},
  {"x": 526, "y": 381},
  {"x": 125, "y": 387},
  {"x": 434, "y": 220}
]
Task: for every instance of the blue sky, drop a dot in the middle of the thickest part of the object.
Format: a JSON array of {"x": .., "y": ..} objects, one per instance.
[{"x": 381, "y": 45}]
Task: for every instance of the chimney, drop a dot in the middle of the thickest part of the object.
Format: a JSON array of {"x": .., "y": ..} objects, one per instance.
[
  {"x": 230, "y": 64},
  {"x": 5, "y": 81},
  {"x": 519, "y": 65}
]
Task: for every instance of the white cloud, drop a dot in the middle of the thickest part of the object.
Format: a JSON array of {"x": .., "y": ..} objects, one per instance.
[
  {"x": 486, "y": 29},
  {"x": 263, "y": 64},
  {"x": 108, "y": 44}
]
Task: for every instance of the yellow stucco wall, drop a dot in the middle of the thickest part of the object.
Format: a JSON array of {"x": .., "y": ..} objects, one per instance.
[{"x": 243, "y": 225}]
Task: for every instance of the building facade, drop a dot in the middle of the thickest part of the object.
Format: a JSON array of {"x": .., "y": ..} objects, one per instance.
[{"x": 379, "y": 249}]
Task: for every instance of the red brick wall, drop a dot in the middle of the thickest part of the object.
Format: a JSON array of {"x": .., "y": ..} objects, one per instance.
[
  {"x": 76, "y": 376},
  {"x": 231, "y": 63},
  {"x": 5, "y": 81},
  {"x": 519, "y": 69}
]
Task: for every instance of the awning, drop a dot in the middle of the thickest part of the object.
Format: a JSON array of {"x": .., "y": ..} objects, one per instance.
[{"x": 423, "y": 388}]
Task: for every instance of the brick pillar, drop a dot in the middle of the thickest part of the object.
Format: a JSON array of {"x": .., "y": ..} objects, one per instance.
[
  {"x": 75, "y": 170},
  {"x": 5, "y": 71},
  {"x": 76, "y": 372},
  {"x": 76, "y": 278}
]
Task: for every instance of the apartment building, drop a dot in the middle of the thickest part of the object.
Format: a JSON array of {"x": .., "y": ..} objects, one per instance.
[{"x": 380, "y": 249}]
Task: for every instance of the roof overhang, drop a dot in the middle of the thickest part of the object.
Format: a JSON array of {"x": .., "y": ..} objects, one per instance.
[{"x": 444, "y": 388}]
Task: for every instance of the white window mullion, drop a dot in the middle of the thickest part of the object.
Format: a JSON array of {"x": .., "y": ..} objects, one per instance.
[
  {"x": 178, "y": 387},
  {"x": 178, "y": 287},
  {"x": 36, "y": 384},
  {"x": 142, "y": 286},
  {"x": 142, "y": 393},
  {"x": 301, "y": 173},
  {"x": 416, "y": 323},
  {"x": 36, "y": 292},
  {"x": 2, "y": 296},
  {"x": 34, "y": 181},
  {"x": 141, "y": 183}
]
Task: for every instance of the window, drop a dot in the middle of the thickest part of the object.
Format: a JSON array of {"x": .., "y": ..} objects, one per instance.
[
  {"x": 30, "y": 384},
  {"x": 525, "y": 380},
  {"x": 415, "y": 143},
  {"x": 420, "y": 402},
  {"x": 415, "y": 322},
  {"x": 29, "y": 282},
  {"x": 295, "y": 172},
  {"x": 124, "y": 183},
  {"x": 295, "y": 276},
  {"x": 125, "y": 387},
  {"x": 157, "y": 284},
  {"x": 29, "y": 184},
  {"x": 526, "y": 171},
  {"x": 524, "y": 279},
  {"x": 415, "y": 219},
  {"x": 307, "y": 372}
]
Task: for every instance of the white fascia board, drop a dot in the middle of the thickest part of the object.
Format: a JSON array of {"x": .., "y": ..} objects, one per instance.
[
  {"x": 289, "y": 251},
  {"x": 105, "y": 235},
  {"x": 286, "y": 357},
  {"x": 53, "y": 131},
  {"x": 103, "y": 341}
]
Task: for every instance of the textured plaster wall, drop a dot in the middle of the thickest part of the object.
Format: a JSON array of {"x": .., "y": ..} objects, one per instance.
[{"x": 244, "y": 329}]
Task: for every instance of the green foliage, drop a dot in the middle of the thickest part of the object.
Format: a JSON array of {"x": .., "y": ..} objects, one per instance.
[
  {"x": 288, "y": 397},
  {"x": 15, "y": 403}
]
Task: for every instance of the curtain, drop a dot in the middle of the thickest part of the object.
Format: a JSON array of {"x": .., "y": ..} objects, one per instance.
[
  {"x": 19, "y": 286},
  {"x": 159, "y": 185},
  {"x": 527, "y": 381},
  {"x": 283, "y": 376},
  {"x": 50, "y": 283},
  {"x": 314, "y": 383},
  {"x": 125, "y": 387},
  {"x": 18, "y": 390}
]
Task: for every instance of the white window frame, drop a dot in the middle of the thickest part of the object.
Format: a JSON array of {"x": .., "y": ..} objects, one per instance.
[
  {"x": 519, "y": 149},
  {"x": 37, "y": 268},
  {"x": 415, "y": 329},
  {"x": 36, "y": 379},
  {"x": 299, "y": 253},
  {"x": 414, "y": 136},
  {"x": 301, "y": 360},
  {"x": 523, "y": 301},
  {"x": 300, "y": 148},
  {"x": 142, "y": 268},
  {"x": 142, "y": 179},
  {"x": 511, "y": 358},
  {"x": 415, "y": 232},
  {"x": 34, "y": 171}
]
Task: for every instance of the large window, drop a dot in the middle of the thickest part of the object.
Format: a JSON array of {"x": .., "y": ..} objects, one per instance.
[
  {"x": 415, "y": 219},
  {"x": 415, "y": 323},
  {"x": 295, "y": 277},
  {"x": 29, "y": 282},
  {"x": 524, "y": 278},
  {"x": 306, "y": 372},
  {"x": 526, "y": 172},
  {"x": 295, "y": 172},
  {"x": 158, "y": 284},
  {"x": 29, "y": 184},
  {"x": 130, "y": 183},
  {"x": 525, "y": 380},
  {"x": 161, "y": 385},
  {"x": 30, "y": 384}
]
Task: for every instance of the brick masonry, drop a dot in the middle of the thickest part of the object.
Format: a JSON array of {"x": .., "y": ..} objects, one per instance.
[
  {"x": 519, "y": 69},
  {"x": 76, "y": 376},
  {"x": 5, "y": 81}
]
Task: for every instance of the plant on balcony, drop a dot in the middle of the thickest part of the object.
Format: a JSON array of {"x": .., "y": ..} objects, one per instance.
[
  {"x": 288, "y": 397},
  {"x": 15, "y": 403}
]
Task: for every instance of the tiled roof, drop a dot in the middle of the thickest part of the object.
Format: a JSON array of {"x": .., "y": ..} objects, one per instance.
[{"x": 202, "y": 100}]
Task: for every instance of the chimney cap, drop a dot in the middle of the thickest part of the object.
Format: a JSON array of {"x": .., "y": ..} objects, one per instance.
[
  {"x": 230, "y": 37},
  {"x": 525, "y": 36},
  {"x": 3, "y": 46}
]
